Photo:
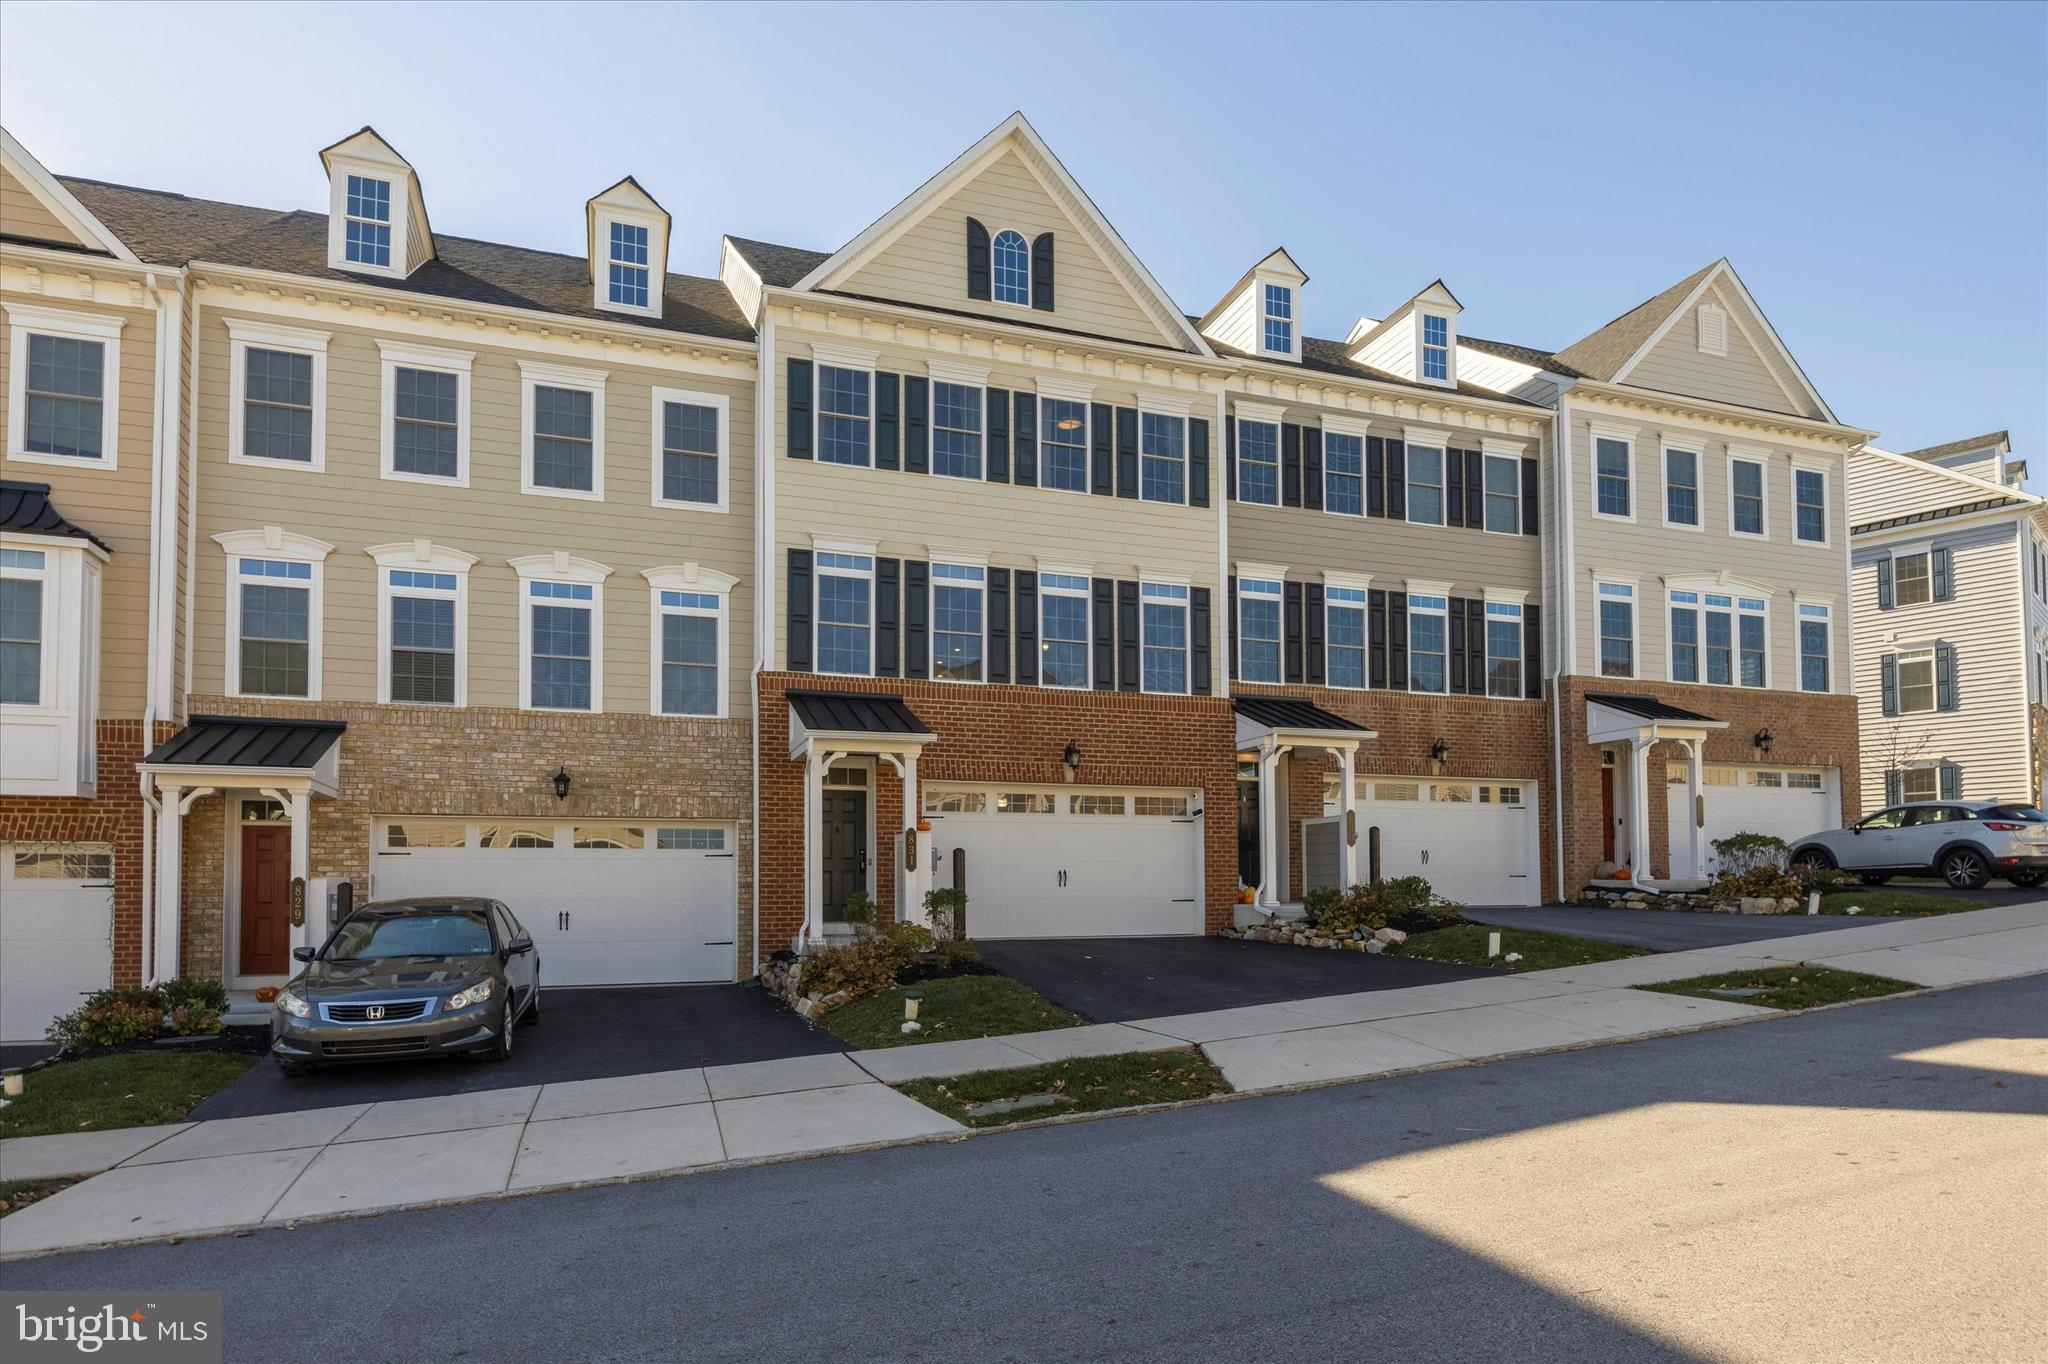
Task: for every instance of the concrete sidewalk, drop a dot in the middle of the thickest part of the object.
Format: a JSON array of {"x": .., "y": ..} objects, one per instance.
[{"x": 194, "y": 1178}]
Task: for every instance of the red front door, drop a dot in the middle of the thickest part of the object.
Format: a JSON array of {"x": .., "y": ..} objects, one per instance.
[
  {"x": 1607, "y": 814},
  {"x": 266, "y": 899}
]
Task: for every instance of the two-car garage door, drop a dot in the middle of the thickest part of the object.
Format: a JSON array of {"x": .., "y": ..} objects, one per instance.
[{"x": 606, "y": 903}]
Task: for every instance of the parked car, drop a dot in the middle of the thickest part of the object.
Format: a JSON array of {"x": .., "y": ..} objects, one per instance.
[
  {"x": 1964, "y": 842},
  {"x": 404, "y": 978}
]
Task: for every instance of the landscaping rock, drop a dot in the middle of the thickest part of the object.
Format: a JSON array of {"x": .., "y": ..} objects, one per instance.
[{"x": 1375, "y": 946}]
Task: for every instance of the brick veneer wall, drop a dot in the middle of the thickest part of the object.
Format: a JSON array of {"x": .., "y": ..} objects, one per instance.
[
  {"x": 2037, "y": 720},
  {"x": 1807, "y": 731},
  {"x": 113, "y": 815},
  {"x": 1005, "y": 733},
  {"x": 414, "y": 760}
]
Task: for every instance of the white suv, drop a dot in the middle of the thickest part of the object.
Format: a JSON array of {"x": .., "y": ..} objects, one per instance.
[{"x": 1964, "y": 842}]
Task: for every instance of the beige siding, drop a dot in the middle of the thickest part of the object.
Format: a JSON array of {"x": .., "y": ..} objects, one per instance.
[
  {"x": 351, "y": 506},
  {"x": 928, "y": 264},
  {"x": 915, "y": 516},
  {"x": 1883, "y": 488},
  {"x": 112, "y": 503},
  {"x": 1233, "y": 326},
  {"x": 1744, "y": 376},
  {"x": 22, "y": 214}
]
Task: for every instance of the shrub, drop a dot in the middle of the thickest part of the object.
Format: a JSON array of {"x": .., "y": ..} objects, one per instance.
[
  {"x": 1403, "y": 902},
  {"x": 870, "y": 964},
  {"x": 1320, "y": 901},
  {"x": 958, "y": 956},
  {"x": 1764, "y": 883},
  {"x": 200, "y": 994},
  {"x": 195, "y": 1020},
  {"x": 861, "y": 909},
  {"x": 946, "y": 909},
  {"x": 1822, "y": 879},
  {"x": 1747, "y": 852},
  {"x": 108, "y": 1024}
]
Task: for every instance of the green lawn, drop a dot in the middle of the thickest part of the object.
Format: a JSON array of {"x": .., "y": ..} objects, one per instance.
[
  {"x": 1087, "y": 1085},
  {"x": 1465, "y": 945},
  {"x": 16, "y": 1194},
  {"x": 1786, "y": 987},
  {"x": 1878, "y": 900},
  {"x": 951, "y": 1008},
  {"x": 130, "y": 1089}
]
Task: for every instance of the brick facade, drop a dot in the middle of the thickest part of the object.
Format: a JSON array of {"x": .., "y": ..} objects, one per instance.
[
  {"x": 995, "y": 733},
  {"x": 413, "y": 760},
  {"x": 1807, "y": 731},
  {"x": 2037, "y": 722}
]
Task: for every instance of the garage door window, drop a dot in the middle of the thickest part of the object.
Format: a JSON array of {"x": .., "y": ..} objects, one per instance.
[
  {"x": 955, "y": 802},
  {"x": 1024, "y": 803},
  {"x": 426, "y": 834},
  {"x": 1161, "y": 807},
  {"x": 689, "y": 840},
  {"x": 1451, "y": 795},
  {"x": 1098, "y": 805},
  {"x": 1803, "y": 781},
  {"x": 1396, "y": 790},
  {"x": 516, "y": 836},
  {"x": 610, "y": 837},
  {"x": 69, "y": 865}
]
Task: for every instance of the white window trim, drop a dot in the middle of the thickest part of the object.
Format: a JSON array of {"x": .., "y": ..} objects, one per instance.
[
  {"x": 1740, "y": 454},
  {"x": 25, "y": 321},
  {"x": 1052, "y": 392},
  {"x": 1697, "y": 449},
  {"x": 1350, "y": 582},
  {"x": 404, "y": 355},
  {"x": 1174, "y": 412},
  {"x": 723, "y": 405},
  {"x": 931, "y": 608},
  {"x": 1827, "y": 503},
  {"x": 339, "y": 169},
  {"x": 959, "y": 376},
  {"x": 860, "y": 549},
  {"x": 657, "y": 259},
  {"x": 1635, "y": 625},
  {"x": 534, "y": 375},
  {"x": 1276, "y": 576},
  {"x": 561, "y": 567},
  {"x": 267, "y": 336},
  {"x": 1800, "y": 601},
  {"x": 1413, "y": 589},
  {"x": 1413, "y": 437},
  {"x": 1487, "y": 456},
  {"x": 1086, "y": 574},
  {"x": 1499, "y": 597},
  {"x": 48, "y": 699},
  {"x": 1595, "y": 433},
  {"x": 1186, "y": 603},
  {"x": 1356, "y": 428},
  {"x": 824, "y": 357},
  {"x": 1726, "y": 585},
  {"x": 421, "y": 556},
  {"x": 689, "y": 577},
  {"x": 1259, "y": 314},
  {"x": 1029, "y": 271},
  {"x": 1262, "y": 415},
  {"x": 274, "y": 542},
  {"x": 1450, "y": 348},
  {"x": 1923, "y": 653}
]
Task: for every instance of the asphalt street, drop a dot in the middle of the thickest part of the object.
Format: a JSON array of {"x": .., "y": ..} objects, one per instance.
[{"x": 1861, "y": 1183}]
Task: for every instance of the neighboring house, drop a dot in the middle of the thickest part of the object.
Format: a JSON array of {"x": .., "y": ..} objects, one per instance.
[{"x": 1951, "y": 601}]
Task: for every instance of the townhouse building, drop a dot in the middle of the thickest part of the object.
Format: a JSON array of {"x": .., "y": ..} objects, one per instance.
[
  {"x": 1950, "y": 557},
  {"x": 681, "y": 612}
]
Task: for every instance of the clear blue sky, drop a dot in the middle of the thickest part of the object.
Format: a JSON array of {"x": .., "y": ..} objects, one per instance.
[{"x": 1878, "y": 175}]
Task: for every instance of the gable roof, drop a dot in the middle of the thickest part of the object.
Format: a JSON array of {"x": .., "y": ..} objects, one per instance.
[
  {"x": 1960, "y": 447},
  {"x": 1246, "y": 278},
  {"x": 780, "y": 267},
  {"x": 1334, "y": 357},
  {"x": 1014, "y": 131},
  {"x": 1527, "y": 355},
  {"x": 367, "y": 144},
  {"x": 61, "y": 202},
  {"x": 1434, "y": 287}
]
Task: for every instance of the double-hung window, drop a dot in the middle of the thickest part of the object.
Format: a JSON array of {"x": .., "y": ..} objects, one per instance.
[
  {"x": 1913, "y": 579},
  {"x": 1503, "y": 649},
  {"x": 1503, "y": 495},
  {"x": 1612, "y": 476},
  {"x": 564, "y": 419},
  {"x": 423, "y": 659},
  {"x": 1163, "y": 457},
  {"x": 1916, "y": 681},
  {"x": 1682, "y": 488},
  {"x": 1010, "y": 261},
  {"x": 1815, "y": 649},
  {"x": 1344, "y": 633},
  {"x": 277, "y": 394},
  {"x": 562, "y": 645},
  {"x": 1685, "y": 636},
  {"x": 846, "y": 614},
  {"x": 1258, "y": 462},
  {"x": 1436, "y": 347},
  {"x": 691, "y": 628},
  {"x": 1717, "y": 638},
  {"x": 1617, "y": 603},
  {"x": 1258, "y": 630},
  {"x": 1279, "y": 318},
  {"x": 23, "y": 575},
  {"x": 1063, "y": 444},
  {"x": 1425, "y": 485},
  {"x": 1745, "y": 496},
  {"x": 1343, "y": 473},
  {"x": 1164, "y": 609},
  {"x": 959, "y": 616},
  {"x": 426, "y": 413},
  {"x": 627, "y": 266},
  {"x": 1810, "y": 506},
  {"x": 274, "y": 627},
  {"x": 1752, "y": 661},
  {"x": 1063, "y": 629},
  {"x": 367, "y": 237},
  {"x": 64, "y": 403},
  {"x": 844, "y": 415},
  {"x": 956, "y": 430},
  {"x": 689, "y": 449},
  {"x": 1428, "y": 642}
]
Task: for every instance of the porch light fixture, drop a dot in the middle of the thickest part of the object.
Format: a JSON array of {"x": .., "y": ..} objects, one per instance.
[
  {"x": 561, "y": 783},
  {"x": 1763, "y": 739},
  {"x": 1439, "y": 752},
  {"x": 910, "y": 1003},
  {"x": 1072, "y": 757}
]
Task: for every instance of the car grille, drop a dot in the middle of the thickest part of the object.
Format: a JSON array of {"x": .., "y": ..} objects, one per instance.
[
  {"x": 395, "y": 1011},
  {"x": 376, "y": 1046}
]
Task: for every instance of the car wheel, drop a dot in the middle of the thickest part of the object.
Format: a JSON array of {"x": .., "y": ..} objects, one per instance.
[
  {"x": 1813, "y": 859},
  {"x": 1874, "y": 878},
  {"x": 2027, "y": 880},
  {"x": 1965, "y": 869},
  {"x": 533, "y": 1004},
  {"x": 501, "y": 1050},
  {"x": 292, "y": 1070}
]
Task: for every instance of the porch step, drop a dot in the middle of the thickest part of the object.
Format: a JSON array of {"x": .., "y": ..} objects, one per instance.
[{"x": 245, "y": 1012}]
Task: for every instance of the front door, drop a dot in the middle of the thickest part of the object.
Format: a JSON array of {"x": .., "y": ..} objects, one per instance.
[
  {"x": 1607, "y": 814},
  {"x": 845, "y": 849},
  {"x": 266, "y": 922}
]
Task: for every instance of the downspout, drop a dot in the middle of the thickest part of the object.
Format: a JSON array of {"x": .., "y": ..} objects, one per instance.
[
  {"x": 1217, "y": 467},
  {"x": 192, "y": 523},
  {"x": 1561, "y": 453},
  {"x": 1846, "y": 646},
  {"x": 163, "y": 570},
  {"x": 764, "y": 587}
]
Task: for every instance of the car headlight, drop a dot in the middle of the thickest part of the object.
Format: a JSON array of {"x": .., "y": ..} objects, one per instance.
[
  {"x": 475, "y": 994},
  {"x": 293, "y": 1005}
]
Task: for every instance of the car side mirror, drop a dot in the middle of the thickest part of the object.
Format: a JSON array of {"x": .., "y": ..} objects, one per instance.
[
  {"x": 519, "y": 946},
  {"x": 304, "y": 953},
  {"x": 1856, "y": 829}
]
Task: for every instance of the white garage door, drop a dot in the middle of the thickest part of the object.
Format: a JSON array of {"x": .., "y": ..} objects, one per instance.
[
  {"x": 56, "y": 932},
  {"x": 605, "y": 903},
  {"x": 1070, "y": 861},
  {"x": 1473, "y": 841},
  {"x": 1788, "y": 802}
]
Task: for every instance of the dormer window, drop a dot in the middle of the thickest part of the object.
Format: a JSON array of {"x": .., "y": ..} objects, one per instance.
[
  {"x": 1279, "y": 319},
  {"x": 376, "y": 217},
  {"x": 368, "y": 234},
  {"x": 1010, "y": 258},
  {"x": 628, "y": 249},
  {"x": 629, "y": 265},
  {"x": 1436, "y": 347}
]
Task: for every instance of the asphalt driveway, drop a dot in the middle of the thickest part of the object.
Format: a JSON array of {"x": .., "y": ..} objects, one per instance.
[
  {"x": 584, "y": 1035},
  {"x": 1114, "y": 980}
]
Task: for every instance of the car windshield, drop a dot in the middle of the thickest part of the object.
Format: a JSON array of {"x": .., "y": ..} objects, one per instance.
[
  {"x": 2025, "y": 814},
  {"x": 367, "y": 938}
]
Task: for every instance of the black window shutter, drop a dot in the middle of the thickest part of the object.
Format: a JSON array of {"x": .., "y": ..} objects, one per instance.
[
  {"x": 1128, "y": 671},
  {"x": 1199, "y": 662},
  {"x": 796, "y": 648},
  {"x": 1198, "y": 462},
  {"x": 1041, "y": 272},
  {"x": 1893, "y": 783},
  {"x": 1312, "y": 467},
  {"x": 1290, "y": 465},
  {"x": 1531, "y": 518},
  {"x": 1455, "y": 646},
  {"x": 1944, "y": 677},
  {"x": 1375, "y": 476},
  {"x": 1951, "y": 782},
  {"x": 998, "y": 404},
  {"x": 999, "y": 625},
  {"x": 1312, "y": 669},
  {"x": 1888, "y": 683},
  {"x": 1941, "y": 564},
  {"x": 888, "y": 615},
  {"x": 1127, "y": 452},
  {"x": 1884, "y": 584},
  {"x": 1024, "y": 441},
  {"x": 1376, "y": 637},
  {"x": 1229, "y": 458},
  {"x": 1475, "y": 647},
  {"x": 799, "y": 409},
  {"x": 1454, "y": 489},
  {"x": 888, "y": 420},
  {"x": 917, "y": 443},
  {"x": 1532, "y": 652},
  {"x": 1397, "y": 640},
  {"x": 1102, "y": 614},
  {"x": 1101, "y": 425},
  {"x": 977, "y": 260},
  {"x": 1232, "y": 660},
  {"x": 1027, "y": 627},
  {"x": 1290, "y": 610},
  {"x": 1397, "y": 483},
  {"x": 917, "y": 601},
  {"x": 1475, "y": 490}
]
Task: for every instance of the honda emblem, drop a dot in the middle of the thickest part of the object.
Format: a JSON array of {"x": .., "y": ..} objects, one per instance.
[{"x": 375, "y": 1013}]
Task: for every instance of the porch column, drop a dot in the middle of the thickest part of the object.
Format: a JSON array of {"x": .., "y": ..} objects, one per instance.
[
  {"x": 170, "y": 857},
  {"x": 1694, "y": 775},
  {"x": 1347, "y": 854},
  {"x": 1639, "y": 808},
  {"x": 1269, "y": 834}
]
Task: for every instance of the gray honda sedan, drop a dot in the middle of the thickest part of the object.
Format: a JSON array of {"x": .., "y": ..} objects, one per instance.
[{"x": 403, "y": 978}]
